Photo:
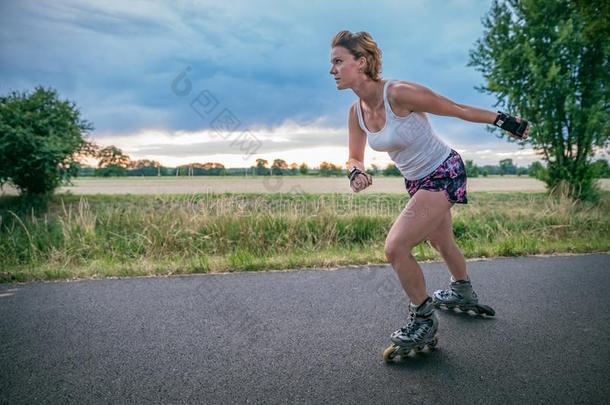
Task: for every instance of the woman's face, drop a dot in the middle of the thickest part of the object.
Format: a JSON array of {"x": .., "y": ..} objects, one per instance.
[{"x": 344, "y": 67}]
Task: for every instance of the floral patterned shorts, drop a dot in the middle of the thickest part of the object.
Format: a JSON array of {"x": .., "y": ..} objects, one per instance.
[{"x": 449, "y": 177}]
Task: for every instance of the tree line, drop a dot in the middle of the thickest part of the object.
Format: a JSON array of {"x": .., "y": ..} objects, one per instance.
[{"x": 113, "y": 162}]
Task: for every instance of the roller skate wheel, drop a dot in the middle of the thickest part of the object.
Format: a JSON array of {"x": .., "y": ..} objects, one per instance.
[
  {"x": 484, "y": 309},
  {"x": 390, "y": 353}
]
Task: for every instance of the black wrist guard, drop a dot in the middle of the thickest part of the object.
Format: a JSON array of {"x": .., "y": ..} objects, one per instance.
[
  {"x": 510, "y": 124},
  {"x": 353, "y": 172}
]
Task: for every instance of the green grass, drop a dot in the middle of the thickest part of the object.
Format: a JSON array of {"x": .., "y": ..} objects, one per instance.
[{"x": 129, "y": 235}]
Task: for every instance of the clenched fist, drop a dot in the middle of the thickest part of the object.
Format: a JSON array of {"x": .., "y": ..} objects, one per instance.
[{"x": 359, "y": 180}]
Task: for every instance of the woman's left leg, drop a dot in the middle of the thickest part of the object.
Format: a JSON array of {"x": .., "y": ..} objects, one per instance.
[
  {"x": 423, "y": 214},
  {"x": 443, "y": 241}
]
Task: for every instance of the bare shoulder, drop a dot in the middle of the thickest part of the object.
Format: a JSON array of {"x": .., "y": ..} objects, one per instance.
[
  {"x": 351, "y": 113},
  {"x": 401, "y": 94},
  {"x": 402, "y": 89},
  {"x": 352, "y": 108}
]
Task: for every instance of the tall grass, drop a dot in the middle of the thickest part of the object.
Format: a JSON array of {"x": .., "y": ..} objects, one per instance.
[{"x": 97, "y": 236}]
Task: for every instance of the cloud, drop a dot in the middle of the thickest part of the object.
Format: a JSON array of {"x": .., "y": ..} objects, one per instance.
[
  {"x": 287, "y": 136},
  {"x": 293, "y": 141},
  {"x": 276, "y": 59}
]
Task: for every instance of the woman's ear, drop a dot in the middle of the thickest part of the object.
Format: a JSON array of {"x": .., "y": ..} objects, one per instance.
[{"x": 361, "y": 64}]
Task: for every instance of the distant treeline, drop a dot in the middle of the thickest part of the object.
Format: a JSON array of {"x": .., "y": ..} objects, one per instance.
[{"x": 114, "y": 162}]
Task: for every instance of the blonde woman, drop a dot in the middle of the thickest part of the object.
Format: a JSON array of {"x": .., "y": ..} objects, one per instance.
[{"x": 391, "y": 115}]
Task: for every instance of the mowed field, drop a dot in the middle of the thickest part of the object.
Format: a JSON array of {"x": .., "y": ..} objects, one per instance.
[{"x": 274, "y": 184}]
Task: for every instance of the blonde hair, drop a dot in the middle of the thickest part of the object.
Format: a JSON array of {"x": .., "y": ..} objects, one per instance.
[{"x": 361, "y": 44}]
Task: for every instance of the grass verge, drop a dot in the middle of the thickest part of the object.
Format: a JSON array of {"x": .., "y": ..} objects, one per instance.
[{"x": 134, "y": 235}]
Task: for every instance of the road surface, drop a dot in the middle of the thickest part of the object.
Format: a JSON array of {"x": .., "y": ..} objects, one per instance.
[{"x": 308, "y": 336}]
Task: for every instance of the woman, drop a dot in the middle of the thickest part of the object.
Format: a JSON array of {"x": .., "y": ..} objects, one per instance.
[{"x": 391, "y": 115}]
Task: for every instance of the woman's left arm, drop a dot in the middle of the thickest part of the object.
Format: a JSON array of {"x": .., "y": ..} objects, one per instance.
[{"x": 416, "y": 97}]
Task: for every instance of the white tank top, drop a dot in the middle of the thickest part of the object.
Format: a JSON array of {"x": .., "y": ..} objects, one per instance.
[{"x": 410, "y": 141}]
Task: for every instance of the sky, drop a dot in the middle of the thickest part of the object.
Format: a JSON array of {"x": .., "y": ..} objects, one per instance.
[{"x": 235, "y": 81}]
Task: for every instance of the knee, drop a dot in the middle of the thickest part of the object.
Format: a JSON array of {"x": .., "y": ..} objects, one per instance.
[
  {"x": 394, "y": 249},
  {"x": 390, "y": 252}
]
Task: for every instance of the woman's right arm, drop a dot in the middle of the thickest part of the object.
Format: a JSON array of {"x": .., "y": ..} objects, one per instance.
[{"x": 357, "y": 141}]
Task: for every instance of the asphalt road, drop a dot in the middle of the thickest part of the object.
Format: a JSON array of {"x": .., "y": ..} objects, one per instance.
[{"x": 308, "y": 336}]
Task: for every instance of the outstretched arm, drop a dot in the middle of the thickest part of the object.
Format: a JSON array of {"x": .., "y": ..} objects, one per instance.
[{"x": 416, "y": 97}]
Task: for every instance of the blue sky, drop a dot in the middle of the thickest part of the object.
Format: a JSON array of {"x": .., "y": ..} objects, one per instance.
[{"x": 257, "y": 71}]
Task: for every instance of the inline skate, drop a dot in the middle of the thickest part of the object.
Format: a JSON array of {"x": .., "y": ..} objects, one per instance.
[
  {"x": 460, "y": 295},
  {"x": 419, "y": 332}
]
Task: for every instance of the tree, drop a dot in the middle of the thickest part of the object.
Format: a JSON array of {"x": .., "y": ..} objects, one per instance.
[
  {"x": 201, "y": 169},
  {"x": 303, "y": 169},
  {"x": 601, "y": 168},
  {"x": 536, "y": 170},
  {"x": 490, "y": 170},
  {"x": 185, "y": 170},
  {"x": 278, "y": 167},
  {"x": 145, "y": 167},
  {"x": 294, "y": 167},
  {"x": 325, "y": 169},
  {"x": 41, "y": 141},
  {"x": 507, "y": 167},
  {"x": 391, "y": 170},
  {"x": 330, "y": 169},
  {"x": 112, "y": 162},
  {"x": 521, "y": 171},
  {"x": 548, "y": 61},
  {"x": 472, "y": 170},
  {"x": 212, "y": 169},
  {"x": 261, "y": 167}
]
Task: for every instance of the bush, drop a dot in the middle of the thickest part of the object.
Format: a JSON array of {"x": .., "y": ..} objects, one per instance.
[{"x": 40, "y": 140}]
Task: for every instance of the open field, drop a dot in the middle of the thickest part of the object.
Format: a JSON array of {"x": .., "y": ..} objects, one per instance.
[
  {"x": 272, "y": 184},
  {"x": 127, "y": 235}
]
